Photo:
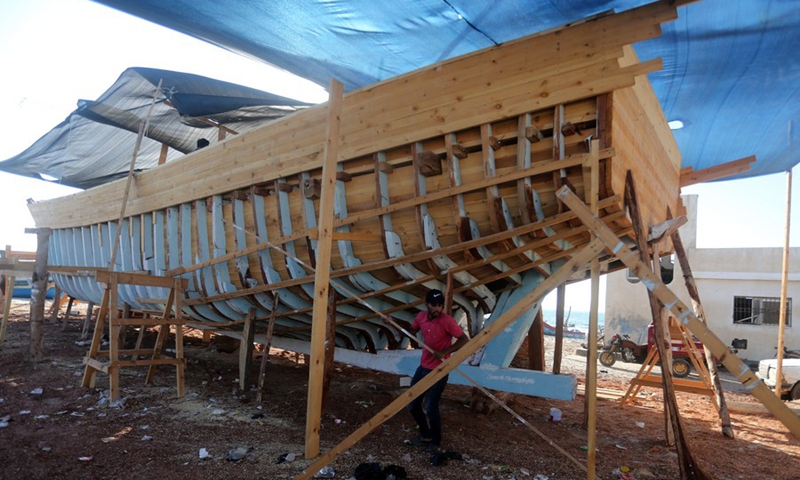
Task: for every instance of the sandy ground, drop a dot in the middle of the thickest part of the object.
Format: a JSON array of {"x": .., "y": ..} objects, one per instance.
[{"x": 51, "y": 427}]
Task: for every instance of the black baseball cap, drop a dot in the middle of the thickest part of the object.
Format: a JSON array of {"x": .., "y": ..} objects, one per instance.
[{"x": 434, "y": 297}]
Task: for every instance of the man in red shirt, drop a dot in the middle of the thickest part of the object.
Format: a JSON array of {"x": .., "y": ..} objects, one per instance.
[{"x": 438, "y": 331}]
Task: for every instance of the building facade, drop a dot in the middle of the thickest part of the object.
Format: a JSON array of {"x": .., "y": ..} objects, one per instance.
[{"x": 739, "y": 288}]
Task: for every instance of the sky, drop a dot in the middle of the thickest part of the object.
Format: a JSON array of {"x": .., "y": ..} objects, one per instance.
[{"x": 55, "y": 52}]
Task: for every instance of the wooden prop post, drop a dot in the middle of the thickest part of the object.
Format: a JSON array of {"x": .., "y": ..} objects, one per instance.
[
  {"x": 246, "y": 349},
  {"x": 323, "y": 272},
  {"x": 262, "y": 372},
  {"x": 684, "y": 314},
  {"x": 784, "y": 286},
  {"x": 559, "y": 347},
  {"x": 592, "y": 170},
  {"x": 11, "y": 263},
  {"x": 38, "y": 293},
  {"x": 576, "y": 263},
  {"x": 711, "y": 361},
  {"x": 536, "y": 343}
]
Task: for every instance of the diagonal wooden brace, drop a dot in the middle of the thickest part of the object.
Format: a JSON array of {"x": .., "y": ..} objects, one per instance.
[
  {"x": 575, "y": 264},
  {"x": 682, "y": 312}
]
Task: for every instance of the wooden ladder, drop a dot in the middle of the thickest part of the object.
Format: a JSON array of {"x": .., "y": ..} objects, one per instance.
[
  {"x": 645, "y": 379},
  {"x": 95, "y": 360}
]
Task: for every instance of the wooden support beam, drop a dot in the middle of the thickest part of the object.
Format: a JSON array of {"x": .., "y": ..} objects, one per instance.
[
  {"x": 691, "y": 177},
  {"x": 246, "y": 349},
  {"x": 784, "y": 285},
  {"x": 575, "y": 264},
  {"x": 592, "y": 195},
  {"x": 322, "y": 275},
  {"x": 8, "y": 296},
  {"x": 697, "y": 306},
  {"x": 262, "y": 372},
  {"x": 684, "y": 314},
  {"x": 673, "y": 428},
  {"x": 330, "y": 347},
  {"x": 536, "y": 343},
  {"x": 561, "y": 291},
  {"x": 39, "y": 288}
]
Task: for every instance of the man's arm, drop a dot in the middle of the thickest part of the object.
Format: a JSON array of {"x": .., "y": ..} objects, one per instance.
[{"x": 460, "y": 342}]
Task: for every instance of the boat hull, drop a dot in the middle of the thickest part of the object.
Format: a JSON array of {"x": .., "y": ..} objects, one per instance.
[{"x": 445, "y": 178}]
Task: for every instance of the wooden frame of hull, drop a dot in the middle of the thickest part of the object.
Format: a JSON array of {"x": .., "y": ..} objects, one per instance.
[{"x": 450, "y": 170}]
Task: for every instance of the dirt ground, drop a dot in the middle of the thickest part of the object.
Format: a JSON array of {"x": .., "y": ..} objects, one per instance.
[{"x": 51, "y": 427}]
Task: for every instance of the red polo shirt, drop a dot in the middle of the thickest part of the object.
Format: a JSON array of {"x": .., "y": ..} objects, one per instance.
[{"x": 437, "y": 334}]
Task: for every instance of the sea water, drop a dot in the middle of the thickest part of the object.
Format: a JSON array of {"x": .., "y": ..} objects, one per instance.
[{"x": 574, "y": 319}]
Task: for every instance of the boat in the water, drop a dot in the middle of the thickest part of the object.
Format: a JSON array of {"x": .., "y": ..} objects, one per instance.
[{"x": 445, "y": 178}]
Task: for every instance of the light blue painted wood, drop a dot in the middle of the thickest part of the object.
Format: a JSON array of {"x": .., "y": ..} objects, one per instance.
[
  {"x": 221, "y": 272},
  {"x": 297, "y": 271},
  {"x": 179, "y": 227},
  {"x": 207, "y": 278},
  {"x": 288, "y": 297},
  {"x": 127, "y": 293},
  {"x": 502, "y": 349},
  {"x": 405, "y": 362},
  {"x": 91, "y": 289}
]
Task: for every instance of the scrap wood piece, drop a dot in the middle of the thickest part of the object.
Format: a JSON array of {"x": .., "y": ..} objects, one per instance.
[{"x": 684, "y": 314}]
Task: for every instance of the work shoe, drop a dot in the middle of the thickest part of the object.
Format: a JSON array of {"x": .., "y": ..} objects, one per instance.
[
  {"x": 418, "y": 442},
  {"x": 431, "y": 448}
]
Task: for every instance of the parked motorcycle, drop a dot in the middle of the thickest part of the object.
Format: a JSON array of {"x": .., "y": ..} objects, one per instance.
[
  {"x": 628, "y": 351},
  {"x": 789, "y": 353}
]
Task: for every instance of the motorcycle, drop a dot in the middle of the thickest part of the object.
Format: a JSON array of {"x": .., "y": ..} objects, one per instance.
[{"x": 628, "y": 351}]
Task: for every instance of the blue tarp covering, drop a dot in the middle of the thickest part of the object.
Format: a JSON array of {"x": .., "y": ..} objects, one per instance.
[
  {"x": 93, "y": 144},
  {"x": 730, "y": 73}
]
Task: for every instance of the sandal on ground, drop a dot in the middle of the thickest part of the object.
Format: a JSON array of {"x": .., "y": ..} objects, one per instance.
[{"x": 418, "y": 442}]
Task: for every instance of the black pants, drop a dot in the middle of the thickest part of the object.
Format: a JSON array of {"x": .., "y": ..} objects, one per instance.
[{"x": 427, "y": 417}]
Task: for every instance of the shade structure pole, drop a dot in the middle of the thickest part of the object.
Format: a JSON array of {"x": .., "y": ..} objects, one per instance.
[{"x": 784, "y": 284}]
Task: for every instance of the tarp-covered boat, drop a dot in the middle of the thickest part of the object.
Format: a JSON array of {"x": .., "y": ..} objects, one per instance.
[{"x": 445, "y": 174}]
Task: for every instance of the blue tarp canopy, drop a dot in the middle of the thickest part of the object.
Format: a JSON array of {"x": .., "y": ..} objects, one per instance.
[
  {"x": 730, "y": 70},
  {"x": 93, "y": 145}
]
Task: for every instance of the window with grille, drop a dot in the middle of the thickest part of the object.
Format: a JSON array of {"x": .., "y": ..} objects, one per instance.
[{"x": 760, "y": 310}]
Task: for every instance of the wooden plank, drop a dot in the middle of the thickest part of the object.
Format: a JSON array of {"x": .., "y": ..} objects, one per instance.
[
  {"x": 322, "y": 274},
  {"x": 694, "y": 294},
  {"x": 684, "y": 314},
  {"x": 246, "y": 349},
  {"x": 717, "y": 171},
  {"x": 39, "y": 288},
  {"x": 784, "y": 285},
  {"x": 126, "y": 278},
  {"x": 482, "y": 338},
  {"x": 9, "y": 295},
  {"x": 681, "y": 384},
  {"x": 262, "y": 373}
]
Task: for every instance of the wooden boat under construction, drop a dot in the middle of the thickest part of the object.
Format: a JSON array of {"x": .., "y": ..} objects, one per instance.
[{"x": 444, "y": 178}]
